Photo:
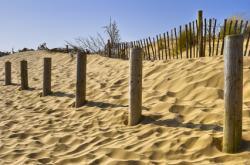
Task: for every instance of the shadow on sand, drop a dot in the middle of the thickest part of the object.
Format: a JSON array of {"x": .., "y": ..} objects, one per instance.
[
  {"x": 175, "y": 122},
  {"x": 103, "y": 105},
  {"x": 62, "y": 94}
]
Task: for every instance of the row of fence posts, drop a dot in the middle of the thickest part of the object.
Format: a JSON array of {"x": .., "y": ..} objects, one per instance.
[
  {"x": 24, "y": 75},
  {"x": 233, "y": 87},
  {"x": 198, "y": 39}
]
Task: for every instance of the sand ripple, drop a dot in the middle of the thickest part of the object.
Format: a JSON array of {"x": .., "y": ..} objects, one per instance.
[{"x": 182, "y": 108}]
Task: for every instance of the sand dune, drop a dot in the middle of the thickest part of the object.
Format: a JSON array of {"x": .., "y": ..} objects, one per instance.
[{"x": 182, "y": 108}]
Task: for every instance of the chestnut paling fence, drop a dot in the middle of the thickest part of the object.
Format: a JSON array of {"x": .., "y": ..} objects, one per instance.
[
  {"x": 184, "y": 41},
  {"x": 197, "y": 39},
  {"x": 233, "y": 70}
]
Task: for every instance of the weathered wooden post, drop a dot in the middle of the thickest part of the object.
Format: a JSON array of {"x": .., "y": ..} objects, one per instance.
[
  {"x": 46, "y": 76},
  {"x": 200, "y": 34},
  {"x": 233, "y": 84},
  {"x": 7, "y": 73},
  {"x": 24, "y": 75},
  {"x": 109, "y": 48},
  {"x": 135, "y": 86},
  {"x": 81, "y": 79}
]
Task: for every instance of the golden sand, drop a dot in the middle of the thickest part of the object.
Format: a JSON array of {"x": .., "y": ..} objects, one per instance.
[{"x": 182, "y": 107}]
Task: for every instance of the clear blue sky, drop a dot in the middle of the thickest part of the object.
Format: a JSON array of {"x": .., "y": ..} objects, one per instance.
[{"x": 26, "y": 23}]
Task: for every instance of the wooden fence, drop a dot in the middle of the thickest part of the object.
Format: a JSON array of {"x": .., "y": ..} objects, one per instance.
[
  {"x": 183, "y": 42},
  {"x": 233, "y": 86}
]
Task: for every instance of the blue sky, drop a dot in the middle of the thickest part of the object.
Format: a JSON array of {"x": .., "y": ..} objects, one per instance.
[{"x": 26, "y": 23}]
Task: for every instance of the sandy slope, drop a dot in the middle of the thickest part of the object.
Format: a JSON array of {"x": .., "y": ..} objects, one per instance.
[{"x": 182, "y": 105}]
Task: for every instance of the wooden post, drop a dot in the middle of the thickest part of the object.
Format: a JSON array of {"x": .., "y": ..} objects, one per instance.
[
  {"x": 24, "y": 75},
  {"x": 200, "y": 33},
  {"x": 7, "y": 73},
  {"x": 135, "y": 86},
  {"x": 233, "y": 84},
  {"x": 46, "y": 76},
  {"x": 81, "y": 79}
]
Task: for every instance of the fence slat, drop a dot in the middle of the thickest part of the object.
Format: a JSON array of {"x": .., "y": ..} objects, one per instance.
[
  {"x": 209, "y": 37},
  {"x": 172, "y": 43},
  {"x": 246, "y": 46},
  {"x": 240, "y": 28},
  {"x": 154, "y": 45},
  {"x": 148, "y": 47},
  {"x": 218, "y": 43},
  {"x": 197, "y": 38},
  {"x": 165, "y": 46},
  {"x": 161, "y": 46},
  {"x": 200, "y": 33},
  {"x": 158, "y": 47},
  {"x": 190, "y": 40},
  {"x": 214, "y": 28},
  {"x": 176, "y": 43},
  {"x": 245, "y": 28},
  {"x": 152, "y": 48},
  {"x": 169, "y": 55},
  {"x": 109, "y": 48},
  {"x": 180, "y": 40},
  {"x": 235, "y": 27},
  {"x": 123, "y": 51},
  {"x": 223, "y": 36},
  {"x": 193, "y": 38},
  {"x": 143, "y": 48},
  {"x": 205, "y": 36},
  {"x": 186, "y": 37},
  {"x": 230, "y": 27}
]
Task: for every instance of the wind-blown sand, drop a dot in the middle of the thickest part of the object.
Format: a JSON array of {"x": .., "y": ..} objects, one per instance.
[{"x": 182, "y": 105}]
